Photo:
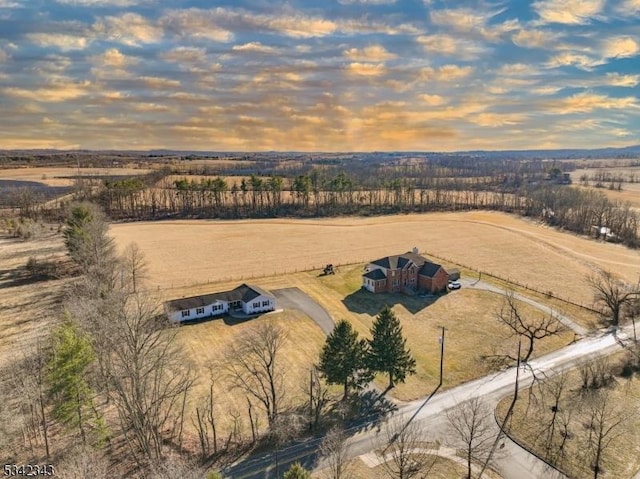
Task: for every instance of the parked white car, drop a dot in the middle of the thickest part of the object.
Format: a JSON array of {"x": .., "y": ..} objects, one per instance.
[{"x": 454, "y": 285}]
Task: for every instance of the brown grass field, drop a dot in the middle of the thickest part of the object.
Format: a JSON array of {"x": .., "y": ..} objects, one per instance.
[
  {"x": 183, "y": 253},
  {"x": 61, "y": 176},
  {"x": 207, "y": 344},
  {"x": 27, "y": 309}
]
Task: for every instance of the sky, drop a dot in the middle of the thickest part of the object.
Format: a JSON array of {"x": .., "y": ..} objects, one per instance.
[{"x": 308, "y": 75}]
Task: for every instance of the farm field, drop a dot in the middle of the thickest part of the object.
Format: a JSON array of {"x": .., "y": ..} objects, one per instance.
[
  {"x": 61, "y": 176},
  {"x": 27, "y": 309},
  {"x": 184, "y": 253}
]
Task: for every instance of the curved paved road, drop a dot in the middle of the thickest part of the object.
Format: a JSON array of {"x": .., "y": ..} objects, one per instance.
[{"x": 295, "y": 298}]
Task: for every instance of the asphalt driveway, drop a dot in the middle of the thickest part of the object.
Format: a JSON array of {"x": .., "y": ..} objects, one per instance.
[{"x": 295, "y": 298}]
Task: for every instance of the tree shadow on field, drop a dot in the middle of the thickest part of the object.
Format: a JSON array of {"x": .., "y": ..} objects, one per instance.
[{"x": 362, "y": 301}]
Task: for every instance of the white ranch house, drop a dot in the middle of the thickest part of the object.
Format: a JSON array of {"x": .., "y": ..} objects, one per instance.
[{"x": 245, "y": 298}]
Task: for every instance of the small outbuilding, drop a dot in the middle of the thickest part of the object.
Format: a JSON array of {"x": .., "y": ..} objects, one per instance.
[{"x": 246, "y": 298}]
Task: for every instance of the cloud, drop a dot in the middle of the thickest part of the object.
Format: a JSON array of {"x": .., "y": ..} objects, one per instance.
[
  {"x": 113, "y": 58},
  {"x": 432, "y": 100},
  {"x": 534, "y": 38},
  {"x": 367, "y": 2},
  {"x": 494, "y": 120},
  {"x": 445, "y": 73},
  {"x": 583, "y": 62},
  {"x": 587, "y": 102},
  {"x": 366, "y": 69},
  {"x": 616, "y": 79},
  {"x": 571, "y": 12},
  {"x": 195, "y": 22},
  {"x": 516, "y": 69},
  {"x": 53, "y": 93},
  {"x": 254, "y": 47},
  {"x": 4, "y": 56},
  {"x": 185, "y": 55},
  {"x": 442, "y": 44},
  {"x": 61, "y": 41},
  {"x": 129, "y": 29},
  {"x": 629, "y": 6},
  {"x": 159, "y": 83},
  {"x": 104, "y": 3},
  {"x": 372, "y": 53},
  {"x": 620, "y": 47}
]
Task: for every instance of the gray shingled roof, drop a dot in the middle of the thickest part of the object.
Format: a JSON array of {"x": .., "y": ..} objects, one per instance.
[
  {"x": 375, "y": 274},
  {"x": 399, "y": 261},
  {"x": 244, "y": 293},
  {"x": 429, "y": 269}
]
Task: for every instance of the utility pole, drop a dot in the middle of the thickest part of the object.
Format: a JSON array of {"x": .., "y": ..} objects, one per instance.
[{"x": 441, "y": 341}]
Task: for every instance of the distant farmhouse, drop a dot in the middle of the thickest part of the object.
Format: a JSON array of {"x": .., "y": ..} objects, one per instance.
[
  {"x": 245, "y": 298},
  {"x": 407, "y": 273}
]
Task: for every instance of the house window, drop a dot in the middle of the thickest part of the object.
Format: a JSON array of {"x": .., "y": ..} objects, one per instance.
[
  {"x": 256, "y": 304},
  {"x": 186, "y": 313},
  {"x": 395, "y": 282},
  {"x": 218, "y": 307},
  {"x": 265, "y": 303},
  {"x": 199, "y": 310}
]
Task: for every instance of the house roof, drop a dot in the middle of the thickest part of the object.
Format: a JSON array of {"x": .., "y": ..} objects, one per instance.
[
  {"x": 244, "y": 293},
  {"x": 375, "y": 274},
  {"x": 429, "y": 269},
  {"x": 399, "y": 261}
]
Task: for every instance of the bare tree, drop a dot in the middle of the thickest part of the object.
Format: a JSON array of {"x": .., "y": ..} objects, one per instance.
[
  {"x": 596, "y": 373},
  {"x": 28, "y": 402},
  {"x": 204, "y": 419},
  {"x": 143, "y": 372},
  {"x": 405, "y": 455},
  {"x": 334, "y": 452},
  {"x": 555, "y": 428},
  {"x": 83, "y": 462},
  {"x": 472, "y": 430},
  {"x": 604, "y": 427},
  {"x": 612, "y": 295},
  {"x": 253, "y": 366},
  {"x": 531, "y": 329},
  {"x": 135, "y": 267}
]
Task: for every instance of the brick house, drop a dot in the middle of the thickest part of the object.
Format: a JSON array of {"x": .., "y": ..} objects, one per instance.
[{"x": 408, "y": 273}]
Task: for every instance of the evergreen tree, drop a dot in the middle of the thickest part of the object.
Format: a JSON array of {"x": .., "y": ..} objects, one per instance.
[
  {"x": 296, "y": 471},
  {"x": 72, "y": 396},
  {"x": 343, "y": 358},
  {"x": 388, "y": 352}
]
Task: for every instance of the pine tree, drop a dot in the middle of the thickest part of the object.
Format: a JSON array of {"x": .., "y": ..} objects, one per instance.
[
  {"x": 343, "y": 358},
  {"x": 388, "y": 352},
  {"x": 296, "y": 471},
  {"x": 72, "y": 395}
]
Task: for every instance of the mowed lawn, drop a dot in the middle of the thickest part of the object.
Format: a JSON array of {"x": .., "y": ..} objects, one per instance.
[{"x": 184, "y": 253}]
